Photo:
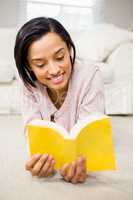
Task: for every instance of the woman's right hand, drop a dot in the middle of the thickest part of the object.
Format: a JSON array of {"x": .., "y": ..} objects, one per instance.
[{"x": 41, "y": 165}]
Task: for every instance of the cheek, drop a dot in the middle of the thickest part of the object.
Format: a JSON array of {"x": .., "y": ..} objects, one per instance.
[
  {"x": 39, "y": 73},
  {"x": 68, "y": 66}
]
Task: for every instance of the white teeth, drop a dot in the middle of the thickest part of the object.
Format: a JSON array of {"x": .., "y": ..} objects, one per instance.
[{"x": 57, "y": 79}]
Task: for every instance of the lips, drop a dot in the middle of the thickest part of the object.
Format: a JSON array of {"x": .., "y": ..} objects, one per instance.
[{"x": 57, "y": 79}]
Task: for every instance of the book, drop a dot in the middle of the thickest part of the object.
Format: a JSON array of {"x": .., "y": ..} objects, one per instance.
[{"x": 90, "y": 137}]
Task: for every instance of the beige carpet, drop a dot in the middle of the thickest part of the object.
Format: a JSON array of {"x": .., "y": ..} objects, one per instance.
[{"x": 17, "y": 184}]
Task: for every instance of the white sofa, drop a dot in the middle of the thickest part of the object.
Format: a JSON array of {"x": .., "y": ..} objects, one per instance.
[
  {"x": 119, "y": 93},
  {"x": 9, "y": 87},
  {"x": 109, "y": 46}
]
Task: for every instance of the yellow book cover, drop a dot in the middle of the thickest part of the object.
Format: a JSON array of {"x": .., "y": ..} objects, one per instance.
[{"x": 91, "y": 137}]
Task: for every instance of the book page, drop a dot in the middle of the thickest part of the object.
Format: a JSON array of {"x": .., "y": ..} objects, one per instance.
[
  {"x": 95, "y": 143},
  {"x": 43, "y": 123},
  {"x": 82, "y": 123}
]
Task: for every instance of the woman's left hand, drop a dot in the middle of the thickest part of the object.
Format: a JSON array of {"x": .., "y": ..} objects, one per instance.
[{"x": 75, "y": 172}]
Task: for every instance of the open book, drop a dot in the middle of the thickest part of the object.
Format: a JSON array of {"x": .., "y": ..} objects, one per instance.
[{"x": 91, "y": 137}]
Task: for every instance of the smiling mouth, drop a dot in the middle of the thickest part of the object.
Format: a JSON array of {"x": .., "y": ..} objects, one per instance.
[{"x": 57, "y": 79}]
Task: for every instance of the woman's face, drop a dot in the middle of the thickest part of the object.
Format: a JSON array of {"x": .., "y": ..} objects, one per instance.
[{"x": 49, "y": 59}]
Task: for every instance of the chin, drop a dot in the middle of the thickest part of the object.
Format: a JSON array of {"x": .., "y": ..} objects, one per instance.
[
  {"x": 57, "y": 87},
  {"x": 60, "y": 86}
]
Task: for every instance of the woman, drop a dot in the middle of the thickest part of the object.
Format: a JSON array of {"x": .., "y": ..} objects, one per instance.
[{"x": 55, "y": 86}]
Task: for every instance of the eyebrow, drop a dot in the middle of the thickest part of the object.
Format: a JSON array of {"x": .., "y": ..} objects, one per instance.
[
  {"x": 56, "y": 52},
  {"x": 59, "y": 50}
]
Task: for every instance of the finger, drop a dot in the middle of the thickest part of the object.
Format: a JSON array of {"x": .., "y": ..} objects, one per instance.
[
  {"x": 82, "y": 159},
  {"x": 50, "y": 169},
  {"x": 45, "y": 167},
  {"x": 72, "y": 170},
  {"x": 82, "y": 163},
  {"x": 77, "y": 176},
  {"x": 37, "y": 167},
  {"x": 64, "y": 169},
  {"x": 32, "y": 161},
  {"x": 79, "y": 170},
  {"x": 82, "y": 178}
]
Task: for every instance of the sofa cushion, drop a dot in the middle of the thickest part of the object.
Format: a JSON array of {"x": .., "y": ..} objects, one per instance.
[
  {"x": 98, "y": 42},
  {"x": 119, "y": 97},
  {"x": 107, "y": 72},
  {"x": 122, "y": 61}
]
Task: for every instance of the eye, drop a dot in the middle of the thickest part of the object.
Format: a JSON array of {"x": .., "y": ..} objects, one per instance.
[
  {"x": 60, "y": 58},
  {"x": 40, "y": 65}
]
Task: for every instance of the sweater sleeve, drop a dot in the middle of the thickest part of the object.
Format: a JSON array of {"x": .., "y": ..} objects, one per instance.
[
  {"x": 93, "y": 99},
  {"x": 29, "y": 106}
]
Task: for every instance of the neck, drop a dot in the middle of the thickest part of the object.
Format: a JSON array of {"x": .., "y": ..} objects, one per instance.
[{"x": 58, "y": 96}]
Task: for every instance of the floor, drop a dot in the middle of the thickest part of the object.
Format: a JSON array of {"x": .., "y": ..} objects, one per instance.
[{"x": 16, "y": 183}]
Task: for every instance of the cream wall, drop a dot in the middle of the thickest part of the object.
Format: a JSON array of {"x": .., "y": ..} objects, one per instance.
[
  {"x": 119, "y": 12},
  {"x": 8, "y": 13}
]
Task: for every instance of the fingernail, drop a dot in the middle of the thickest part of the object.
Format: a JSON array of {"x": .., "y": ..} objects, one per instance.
[
  {"x": 73, "y": 163},
  {"x": 79, "y": 159},
  {"x": 50, "y": 158},
  {"x": 65, "y": 165},
  {"x": 45, "y": 155},
  {"x": 84, "y": 158},
  {"x": 37, "y": 155},
  {"x": 53, "y": 161}
]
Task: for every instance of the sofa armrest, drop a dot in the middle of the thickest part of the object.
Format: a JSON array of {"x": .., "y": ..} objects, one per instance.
[{"x": 7, "y": 73}]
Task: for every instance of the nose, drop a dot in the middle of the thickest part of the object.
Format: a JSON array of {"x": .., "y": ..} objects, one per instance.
[{"x": 53, "y": 68}]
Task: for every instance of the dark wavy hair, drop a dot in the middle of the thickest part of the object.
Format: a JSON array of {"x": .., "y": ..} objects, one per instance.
[{"x": 32, "y": 31}]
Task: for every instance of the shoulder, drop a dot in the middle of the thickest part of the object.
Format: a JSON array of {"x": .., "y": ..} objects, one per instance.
[
  {"x": 84, "y": 71},
  {"x": 30, "y": 90}
]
